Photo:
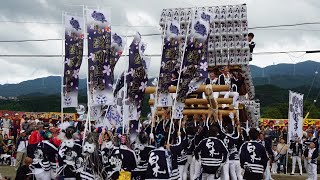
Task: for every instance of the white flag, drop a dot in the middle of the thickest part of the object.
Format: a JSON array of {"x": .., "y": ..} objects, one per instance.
[{"x": 295, "y": 119}]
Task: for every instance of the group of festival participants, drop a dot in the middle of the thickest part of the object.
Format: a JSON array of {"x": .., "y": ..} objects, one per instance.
[{"x": 206, "y": 147}]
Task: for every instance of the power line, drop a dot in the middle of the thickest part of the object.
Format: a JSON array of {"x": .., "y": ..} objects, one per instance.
[
  {"x": 276, "y": 29},
  {"x": 256, "y": 27},
  {"x": 159, "y": 34},
  {"x": 151, "y": 55},
  {"x": 30, "y": 40},
  {"x": 60, "y": 23},
  {"x": 285, "y": 25},
  {"x": 57, "y": 39}
]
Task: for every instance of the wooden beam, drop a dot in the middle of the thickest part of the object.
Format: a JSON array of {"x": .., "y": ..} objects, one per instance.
[
  {"x": 172, "y": 89},
  {"x": 200, "y": 112},
  {"x": 200, "y": 101}
]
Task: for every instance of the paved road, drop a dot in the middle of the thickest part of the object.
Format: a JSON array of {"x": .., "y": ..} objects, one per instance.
[{"x": 10, "y": 172}]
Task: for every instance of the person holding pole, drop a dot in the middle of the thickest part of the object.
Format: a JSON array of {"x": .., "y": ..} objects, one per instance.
[
  {"x": 213, "y": 154},
  {"x": 253, "y": 157}
]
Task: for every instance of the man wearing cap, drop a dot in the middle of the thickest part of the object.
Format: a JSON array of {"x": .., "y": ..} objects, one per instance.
[
  {"x": 22, "y": 143},
  {"x": 306, "y": 145},
  {"x": 6, "y": 125}
]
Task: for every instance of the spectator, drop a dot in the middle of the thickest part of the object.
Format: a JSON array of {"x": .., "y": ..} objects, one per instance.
[
  {"x": 274, "y": 163},
  {"x": 33, "y": 141},
  {"x": 24, "y": 171},
  {"x": 25, "y": 125},
  {"x": 55, "y": 140},
  {"x": 13, "y": 155},
  {"x": 271, "y": 125},
  {"x": 318, "y": 138},
  {"x": 22, "y": 120},
  {"x": 50, "y": 123},
  {"x": 262, "y": 129},
  {"x": 1, "y": 142},
  {"x": 267, "y": 134},
  {"x": 276, "y": 134},
  {"x": 5, "y": 157},
  {"x": 5, "y": 139},
  {"x": 282, "y": 149},
  {"x": 1, "y": 121},
  {"x": 315, "y": 131},
  {"x": 16, "y": 128},
  {"x": 284, "y": 133},
  {"x": 31, "y": 127},
  {"x": 6, "y": 125},
  {"x": 22, "y": 144}
]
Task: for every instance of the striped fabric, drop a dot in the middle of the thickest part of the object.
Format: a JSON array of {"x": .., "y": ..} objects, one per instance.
[{"x": 255, "y": 168}]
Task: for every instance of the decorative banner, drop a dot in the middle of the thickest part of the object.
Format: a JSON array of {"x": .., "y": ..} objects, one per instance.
[
  {"x": 119, "y": 85},
  {"x": 195, "y": 66},
  {"x": 95, "y": 113},
  {"x": 295, "y": 115},
  {"x": 99, "y": 51},
  {"x": 136, "y": 78},
  {"x": 73, "y": 58},
  {"x": 113, "y": 116},
  {"x": 169, "y": 62}
]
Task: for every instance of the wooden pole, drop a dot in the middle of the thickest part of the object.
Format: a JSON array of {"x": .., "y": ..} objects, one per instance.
[
  {"x": 201, "y": 111},
  {"x": 172, "y": 89},
  {"x": 189, "y": 102}
]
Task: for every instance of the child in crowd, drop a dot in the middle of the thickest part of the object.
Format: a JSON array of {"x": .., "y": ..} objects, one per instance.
[
  {"x": 13, "y": 155},
  {"x": 274, "y": 163},
  {"x": 5, "y": 157}
]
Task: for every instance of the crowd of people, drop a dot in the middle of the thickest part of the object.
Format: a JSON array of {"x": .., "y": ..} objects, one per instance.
[{"x": 212, "y": 147}]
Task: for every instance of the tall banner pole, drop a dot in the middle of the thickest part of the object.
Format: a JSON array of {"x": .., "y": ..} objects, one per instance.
[
  {"x": 125, "y": 85},
  {"x": 88, "y": 88},
  {"x": 182, "y": 58},
  {"x": 288, "y": 130},
  {"x": 154, "y": 109},
  {"x": 62, "y": 62}
]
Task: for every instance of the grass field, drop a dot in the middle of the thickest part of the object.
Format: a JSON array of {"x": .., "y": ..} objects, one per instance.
[{"x": 10, "y": 172}]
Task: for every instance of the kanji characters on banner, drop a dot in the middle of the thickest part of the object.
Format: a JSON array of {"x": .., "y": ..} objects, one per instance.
[
  {"x": 74, "y": 27},
  {"x": 194, "y": 65},
  {"x": 99, "y": 48},
  {"x": 169, "y": 63},
  {"x": 137, "y": 77},
  {"x": 295, "y": 119}
]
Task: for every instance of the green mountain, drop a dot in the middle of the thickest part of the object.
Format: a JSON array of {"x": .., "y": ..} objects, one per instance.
[
  {"x": 306, "y": 68},
  {"x": 45, "y": 86},
  {"x": 281, "y": 75}
]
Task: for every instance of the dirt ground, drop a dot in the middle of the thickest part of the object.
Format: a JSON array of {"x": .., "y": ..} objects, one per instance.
[{"x": 10, "y": 172}]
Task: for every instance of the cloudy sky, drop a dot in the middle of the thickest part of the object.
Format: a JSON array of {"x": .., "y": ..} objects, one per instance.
[{"x": 145, "y": 13}]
